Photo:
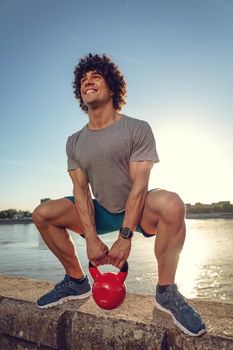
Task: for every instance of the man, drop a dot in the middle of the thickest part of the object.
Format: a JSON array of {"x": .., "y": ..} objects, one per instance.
[{"x": 113, "y": 154}]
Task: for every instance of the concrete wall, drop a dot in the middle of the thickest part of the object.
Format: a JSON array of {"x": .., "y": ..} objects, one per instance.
[{"x": 137, "y": 324}]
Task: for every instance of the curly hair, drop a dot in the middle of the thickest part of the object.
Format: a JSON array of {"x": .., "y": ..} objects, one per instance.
[{"x": 109, "y": 71}]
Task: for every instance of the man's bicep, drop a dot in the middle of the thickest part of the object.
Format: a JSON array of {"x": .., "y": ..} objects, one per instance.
[
  {"x": 140, "y": 171},
  {"x": 78, "y": 177}
]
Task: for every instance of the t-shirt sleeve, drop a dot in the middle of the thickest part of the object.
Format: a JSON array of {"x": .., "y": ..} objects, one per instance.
[
  {"x": 72, "y": 163},
  {"x": 143, "y": 144}
]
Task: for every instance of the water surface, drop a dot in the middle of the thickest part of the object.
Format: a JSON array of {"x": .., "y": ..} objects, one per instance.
[{"x": 204, "y": 271}]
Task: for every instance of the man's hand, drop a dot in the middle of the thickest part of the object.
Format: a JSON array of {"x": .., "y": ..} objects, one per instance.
[
  {"x": 96, "y": 251},
  {"x": 119, "y": 252}
]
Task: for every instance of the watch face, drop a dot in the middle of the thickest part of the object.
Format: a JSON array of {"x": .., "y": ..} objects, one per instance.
[{"x": 125, "y": 232}]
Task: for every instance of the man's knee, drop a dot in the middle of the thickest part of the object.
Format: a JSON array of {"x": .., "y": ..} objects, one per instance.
[
  {"x": 173, "y": 207},
  {"x": 40, "y": 215},
  {"x": 169, "y": 205}
]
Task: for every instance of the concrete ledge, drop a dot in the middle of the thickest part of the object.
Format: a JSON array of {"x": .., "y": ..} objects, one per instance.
[{"x": 137, "y": 324}]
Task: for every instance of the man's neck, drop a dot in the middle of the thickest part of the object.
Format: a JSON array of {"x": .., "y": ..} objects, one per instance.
[{"x": 100, "y": 118}]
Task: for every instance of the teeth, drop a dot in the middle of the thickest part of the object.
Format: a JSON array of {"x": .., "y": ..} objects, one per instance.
[{"x": 90, "y": 91}]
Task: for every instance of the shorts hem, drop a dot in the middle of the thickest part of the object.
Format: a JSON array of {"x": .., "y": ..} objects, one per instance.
[{"x": 101, "y": 212}]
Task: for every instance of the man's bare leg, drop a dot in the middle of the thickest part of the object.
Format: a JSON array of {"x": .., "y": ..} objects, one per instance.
[
  {"x": 52, "y": 218},
  {"x": 164, "y": 213}
]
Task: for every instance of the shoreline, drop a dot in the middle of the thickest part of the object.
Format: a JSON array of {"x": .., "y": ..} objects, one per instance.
[
  {"x": 223, "y": 215},
  {"x": 218, "y": 215},
  {"x": 16, "y": 221}
]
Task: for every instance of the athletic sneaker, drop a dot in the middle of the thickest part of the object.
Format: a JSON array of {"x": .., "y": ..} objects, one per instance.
[
  {"x": 184, "y": 316},
  {"x": 65, "y": 290}
]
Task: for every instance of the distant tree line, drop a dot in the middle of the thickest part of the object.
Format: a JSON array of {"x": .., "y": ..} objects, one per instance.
[
  {"x": 13, "y": 213},
  {"x": 220, "y": 207}
]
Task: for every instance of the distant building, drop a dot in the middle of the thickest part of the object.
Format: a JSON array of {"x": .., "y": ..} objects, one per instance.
[
  {"x": 44, "y": 200},
  {"x": 19, "y": 216}
]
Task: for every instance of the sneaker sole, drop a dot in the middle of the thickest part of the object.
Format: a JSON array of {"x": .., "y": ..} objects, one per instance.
[
  {"x": 64, "y": 300},
  {"x": 178, "y": 324}
]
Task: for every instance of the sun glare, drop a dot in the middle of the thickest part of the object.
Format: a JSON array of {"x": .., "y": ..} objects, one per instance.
[
  {"x": 193, "y": 256},
  {"x": 192, "y": 163}
]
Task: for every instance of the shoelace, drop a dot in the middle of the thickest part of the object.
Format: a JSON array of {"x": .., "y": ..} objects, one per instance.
[
  {"x": 59, "y": 285},
  {"x": 180, "y": 301}
]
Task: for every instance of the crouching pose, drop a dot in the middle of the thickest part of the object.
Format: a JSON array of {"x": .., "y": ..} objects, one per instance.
[{"x": 113, "y": 154}]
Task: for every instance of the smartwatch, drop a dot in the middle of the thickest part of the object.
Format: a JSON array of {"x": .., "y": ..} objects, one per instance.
[{"x": 126, "y": 233}]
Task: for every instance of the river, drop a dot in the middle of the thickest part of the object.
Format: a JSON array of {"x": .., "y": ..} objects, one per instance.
[{"x": 205, "y": 269}]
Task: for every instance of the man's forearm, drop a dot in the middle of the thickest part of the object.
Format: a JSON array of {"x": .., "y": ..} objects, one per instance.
[
  {"x": 85, "y": 207},
  {"x": 134, "y": 207}
]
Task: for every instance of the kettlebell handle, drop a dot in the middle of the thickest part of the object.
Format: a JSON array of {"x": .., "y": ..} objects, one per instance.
[{"x": 124, "y": 268}]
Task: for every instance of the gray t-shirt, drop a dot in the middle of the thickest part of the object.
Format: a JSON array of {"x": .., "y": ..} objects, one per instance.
[{"x": 104, "y": 156}]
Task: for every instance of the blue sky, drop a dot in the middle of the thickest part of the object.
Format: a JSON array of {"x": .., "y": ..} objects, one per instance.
[{"x": 177, "y": 59}]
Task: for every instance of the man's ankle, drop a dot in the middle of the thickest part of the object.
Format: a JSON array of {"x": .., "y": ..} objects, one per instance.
[
  {"x": 162, "y": 287},
  {"x": 78, "y": 280}
]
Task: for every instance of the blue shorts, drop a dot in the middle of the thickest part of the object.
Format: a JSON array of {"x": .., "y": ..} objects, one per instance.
[{"x": 107, "y": 222}]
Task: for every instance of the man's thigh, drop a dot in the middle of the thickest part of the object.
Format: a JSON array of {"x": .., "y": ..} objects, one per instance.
[
  {"x": 61, "y": 212},
  {"x": 159, "y": 204},
  {"x": 149, "y": 218}
]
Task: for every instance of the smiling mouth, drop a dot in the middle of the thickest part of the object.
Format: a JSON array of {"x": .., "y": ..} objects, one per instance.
[{"x": 90, "y": 91}]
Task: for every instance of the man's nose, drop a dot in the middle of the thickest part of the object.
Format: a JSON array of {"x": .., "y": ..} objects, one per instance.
[{"x": 89, "y": 81}]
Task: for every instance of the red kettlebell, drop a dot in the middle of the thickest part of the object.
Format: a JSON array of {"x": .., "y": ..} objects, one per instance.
[{"x": 108, "y": 289}]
